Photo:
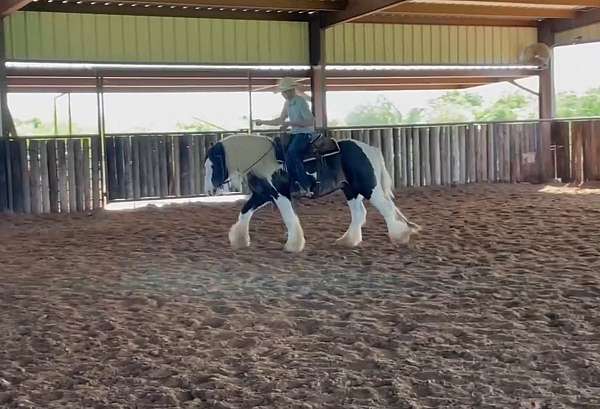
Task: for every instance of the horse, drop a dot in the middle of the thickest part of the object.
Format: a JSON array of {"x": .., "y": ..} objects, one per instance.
[{"x": 252, "y": 158}]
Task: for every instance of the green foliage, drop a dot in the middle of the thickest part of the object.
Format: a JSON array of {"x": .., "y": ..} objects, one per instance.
[
  {"x": 570, "y": 105},
  {"x": 507, "y": 108},
  {"x": 197, "y": 125},
  {"x": 37, "y": 127},
  {"x": 415, "y": 116},
  {"x": 454, "y": 106},
  {"x": 383, "y": 112}
]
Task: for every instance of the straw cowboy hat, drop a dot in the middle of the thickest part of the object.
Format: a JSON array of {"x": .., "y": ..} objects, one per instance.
[{"x": 286, "y": 84}]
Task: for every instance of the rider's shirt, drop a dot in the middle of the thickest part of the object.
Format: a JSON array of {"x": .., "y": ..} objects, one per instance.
[{"x": 298, "y": 111}]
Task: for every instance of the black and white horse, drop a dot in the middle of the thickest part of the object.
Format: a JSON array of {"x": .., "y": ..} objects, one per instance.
[{"x": 252, "y": 157}]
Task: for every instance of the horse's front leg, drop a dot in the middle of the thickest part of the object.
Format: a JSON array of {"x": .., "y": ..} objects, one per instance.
[
  {"x": 295, "y": 234},
  {"x": 353, "y": 236},
  {"x": 239, "y": 234}
]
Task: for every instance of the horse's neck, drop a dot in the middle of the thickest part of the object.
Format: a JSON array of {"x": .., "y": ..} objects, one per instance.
[{"x": 243, "y": 151}]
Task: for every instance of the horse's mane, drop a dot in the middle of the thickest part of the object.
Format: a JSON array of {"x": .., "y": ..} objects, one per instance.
[
  {"x": 241, "y": 135},
  {"x": 250, "y": 152}
]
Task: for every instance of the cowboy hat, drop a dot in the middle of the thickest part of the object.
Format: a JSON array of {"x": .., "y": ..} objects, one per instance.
[{"x": 286, "y": 84}]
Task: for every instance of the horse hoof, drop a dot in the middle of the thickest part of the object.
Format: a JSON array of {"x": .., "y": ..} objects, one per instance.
[
  {"x": 294, "y": 247},
  {"x": 401, "y": 241},
  {"x": 347, "y": 242},
  {"x": 240, "y": 245},
  {"x": 404, "y": 238},
  {"x": 237, "y": 239}
]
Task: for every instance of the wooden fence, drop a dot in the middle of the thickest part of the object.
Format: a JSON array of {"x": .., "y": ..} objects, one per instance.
[
  {"x": 43, "y": 175},
  {"x": 578, "y": 149},
  {"x": 156, "y": 166},
  {"x": 455, "y": 154}
]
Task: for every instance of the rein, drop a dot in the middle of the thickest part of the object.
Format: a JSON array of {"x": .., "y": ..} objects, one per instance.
[{"x": 245, "y": 172}]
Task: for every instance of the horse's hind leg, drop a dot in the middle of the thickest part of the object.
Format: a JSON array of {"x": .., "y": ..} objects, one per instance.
[
  {"x": 295, "y": 234},
  {"x": 399, "y": 228},
  {"x": 358, "y": 212},
  {"x": 239, "y": 234}
]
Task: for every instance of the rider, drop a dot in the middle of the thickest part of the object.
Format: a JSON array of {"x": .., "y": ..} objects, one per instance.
[{"x": 302, "y": 124}]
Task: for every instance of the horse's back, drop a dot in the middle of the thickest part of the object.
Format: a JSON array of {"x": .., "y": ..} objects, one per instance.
[{"x": 251, "y": 153}]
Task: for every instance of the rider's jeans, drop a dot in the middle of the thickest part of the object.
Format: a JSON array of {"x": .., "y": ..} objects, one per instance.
[{"x": 297, "y": 148}]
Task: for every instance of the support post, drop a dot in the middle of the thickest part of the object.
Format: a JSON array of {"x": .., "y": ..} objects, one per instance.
[
  {"x": 250, "y": 112},
  {"x": 4, "y": 120},
  {"x": 546, "y": 106},
  {"x": 3, "y": 85},
  {"x": 317, "y": 72},
  {"x": 102, "y": 134}
]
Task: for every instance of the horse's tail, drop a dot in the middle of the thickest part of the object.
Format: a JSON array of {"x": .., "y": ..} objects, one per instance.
[
  {"x": 387, "y": 185},
  {"x": 386, "y": 180}
]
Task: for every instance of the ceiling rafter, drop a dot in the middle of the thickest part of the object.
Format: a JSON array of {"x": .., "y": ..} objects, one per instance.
[
  {"x": 384, "y": 18},
  {"x": 357, "y": 9},
  {"x": 8, "y": 7},
  {"x": 317, "y": 5},
  {"x": 446, "y": 9},
  {"x": 582, "y": 19},
  {"x": 529, "y": 3},
  {"x": 141, "y": 10}
]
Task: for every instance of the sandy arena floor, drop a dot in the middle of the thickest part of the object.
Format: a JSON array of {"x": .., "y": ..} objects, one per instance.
[{"x": 496, "y": 305}]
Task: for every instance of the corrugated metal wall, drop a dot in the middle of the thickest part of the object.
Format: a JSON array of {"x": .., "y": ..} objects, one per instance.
[
  {"x": 111, "y": 38},
  {"x": 585, "y": 34},
  {"x": 92, "y": 37},
  {"x": 424, "y": 44}
]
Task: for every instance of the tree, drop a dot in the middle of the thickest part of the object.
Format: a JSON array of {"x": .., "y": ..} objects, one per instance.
[
  {"x": 382, "y": 112},
  {"x": 197, "y": 125},
  {"x": 454, "y": 106},
  {"x": 509, "y": 107},
  {"x": 569, "y": 104},
  {"x": 415, "y": 116},
  {"x": 334, "y": 123},
  {"x": 37, "y": 127}
]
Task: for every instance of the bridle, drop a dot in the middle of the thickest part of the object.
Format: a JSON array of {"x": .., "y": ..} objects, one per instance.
[{"x": 221, "y": 159}]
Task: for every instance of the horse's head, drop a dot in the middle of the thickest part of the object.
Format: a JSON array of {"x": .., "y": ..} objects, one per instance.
[{"x": 216, "y": 174}]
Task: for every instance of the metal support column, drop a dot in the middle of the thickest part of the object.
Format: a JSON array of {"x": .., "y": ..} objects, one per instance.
[
  {"x": 317, "y": 72},
  {"x": 546, "y": 105},
  {"x": 102, "y": 134}
]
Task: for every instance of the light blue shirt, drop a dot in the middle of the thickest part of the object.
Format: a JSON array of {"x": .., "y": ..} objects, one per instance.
[{"x": 299, "y": 111}]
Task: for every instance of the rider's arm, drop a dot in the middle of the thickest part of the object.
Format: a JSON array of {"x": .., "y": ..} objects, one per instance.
[
  {"x": 279, "y": 120},
  {"x": 307, "y": 118}
]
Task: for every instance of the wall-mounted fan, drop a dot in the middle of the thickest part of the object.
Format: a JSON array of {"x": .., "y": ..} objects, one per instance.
[{"x": 538, "y": 54}]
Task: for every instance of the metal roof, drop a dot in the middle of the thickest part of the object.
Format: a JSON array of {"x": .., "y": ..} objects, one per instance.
[{"x": 463, "y": 12}]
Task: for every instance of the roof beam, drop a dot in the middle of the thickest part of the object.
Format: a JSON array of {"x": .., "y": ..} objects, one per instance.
[
  {"x": 447, "y": 20},
  {"x": 533, "y": 3},
  {"x": 505, "y": 73},
  {"x": 10, "y": 6},
  {"x": 154, "y": 72},
  {"x": 413, "y": 81},
  {"x": 401, "y": 87},
  {"x": 139, "y": 10},
  {"x": 582, "y": 19},
  {"x": 442, "y": 9},
  {"x": 406, "y": 84},
  {"x": 357, "y": 9},
  {"x": 316, "y": 5}
]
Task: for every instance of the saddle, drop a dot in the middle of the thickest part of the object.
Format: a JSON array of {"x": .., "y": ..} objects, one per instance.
[
  {"x": 320, "y": 147},
  {"x": 322, "y": 160}
]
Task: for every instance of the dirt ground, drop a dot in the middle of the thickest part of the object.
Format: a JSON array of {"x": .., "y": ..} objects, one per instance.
[{"x": 495, "y": 305}]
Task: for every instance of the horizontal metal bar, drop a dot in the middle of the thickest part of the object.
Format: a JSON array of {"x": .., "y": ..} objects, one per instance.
[{"x": 333, "y": 128}]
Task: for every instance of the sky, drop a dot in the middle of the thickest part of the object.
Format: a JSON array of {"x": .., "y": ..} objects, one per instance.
[{"x": 576, "y": 69}]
